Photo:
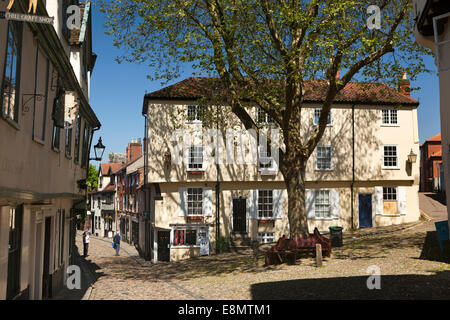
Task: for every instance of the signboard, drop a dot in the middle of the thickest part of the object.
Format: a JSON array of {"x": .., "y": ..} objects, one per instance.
[
  {"x": 203, "y": 241},
  {"x": 26, "y": 17}
]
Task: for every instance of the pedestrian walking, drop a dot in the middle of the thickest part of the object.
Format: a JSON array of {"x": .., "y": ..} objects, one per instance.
[
  {"x": 85, "y": 243},
  {"x": 116, "y": 241}
]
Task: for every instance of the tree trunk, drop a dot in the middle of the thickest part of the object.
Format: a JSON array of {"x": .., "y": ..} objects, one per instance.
[{"x": 294, "y": 178}]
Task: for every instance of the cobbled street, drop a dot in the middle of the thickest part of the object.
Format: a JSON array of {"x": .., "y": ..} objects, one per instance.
[{"x": 406, "y": 255}]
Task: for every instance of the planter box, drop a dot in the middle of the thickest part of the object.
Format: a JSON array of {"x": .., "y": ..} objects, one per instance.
[
  {"x": 195, "y": 218},
  {"x": 266, "y": 222}
]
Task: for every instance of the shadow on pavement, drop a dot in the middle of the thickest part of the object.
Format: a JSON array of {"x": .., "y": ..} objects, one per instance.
[
  {"x": 88, "y": 277},
  {"x": 431, "y": 250},
  {"x": 437, "y": 197},
  {"x": 436, "y": 286}
]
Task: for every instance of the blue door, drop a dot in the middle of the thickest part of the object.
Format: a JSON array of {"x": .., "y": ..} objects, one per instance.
[{"x": 365, "y": 211}]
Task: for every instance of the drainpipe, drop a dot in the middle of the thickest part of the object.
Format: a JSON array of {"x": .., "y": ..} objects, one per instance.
[
  {"x": 148, "y": 221},
  {"x": 217, "y": 181},
  {"x": 353, "y": 165}
]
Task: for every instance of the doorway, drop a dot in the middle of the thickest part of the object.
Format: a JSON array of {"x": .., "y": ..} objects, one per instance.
[
  {"x": 14, "y": 252},
  {"x": 163, "y": 245},
  {"x": 239, "y": 215},
  {"x": 365, "y": 210},
  {"x": 46, "y": 279}
]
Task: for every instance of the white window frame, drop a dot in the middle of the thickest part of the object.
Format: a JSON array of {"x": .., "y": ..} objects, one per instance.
[
  {"x": 266, "y": 237},
  {"x": 395, "y": 194},
  {"x": 196, "y": 111},
  {"x": 329, "y": 216},
  {"x": 389, "y": 116},
  {"x": 198, "y": 229},
  {"x": 189, "y": 163},
  {"x": 331, "y": 158},
  {"x": 316, "y": 120},
  {"x": 384, "y": 155},
  {"x": 195, "y": 201},
  {"x": 272, "y": 217}
]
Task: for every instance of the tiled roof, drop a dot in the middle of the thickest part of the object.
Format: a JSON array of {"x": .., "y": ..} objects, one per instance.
[
  {"x": 315, "y": 90},
  {"x": 435, "y": 138},
  {"x": 114, "y": 167},
  {"x": 109, "y": 187}
]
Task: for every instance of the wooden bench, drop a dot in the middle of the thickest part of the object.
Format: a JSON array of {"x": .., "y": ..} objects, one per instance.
[{"x": 287, "y": 250}]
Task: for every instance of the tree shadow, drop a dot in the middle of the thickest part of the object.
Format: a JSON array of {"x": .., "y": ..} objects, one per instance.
[{"x": 436, "y": 286}]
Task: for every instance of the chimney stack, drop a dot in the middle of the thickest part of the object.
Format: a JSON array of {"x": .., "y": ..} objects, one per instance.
[
  {"x": 134, "y": 150},
  {"x": 404, "y": 86}
]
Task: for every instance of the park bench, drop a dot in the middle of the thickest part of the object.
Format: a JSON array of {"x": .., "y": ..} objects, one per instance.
[{"x": 287, "y": 250}]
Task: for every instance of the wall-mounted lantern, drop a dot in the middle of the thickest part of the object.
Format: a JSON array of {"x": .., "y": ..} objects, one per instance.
[
  {"x": 412, "y": 157},
  {"x": 167, "y": 158}
]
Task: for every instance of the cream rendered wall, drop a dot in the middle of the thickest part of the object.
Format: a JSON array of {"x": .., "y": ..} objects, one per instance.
[
  {"x": 237, "y": 180},
  {"x": 370, "y": 136},
  {"x": 30, "y": 162}
]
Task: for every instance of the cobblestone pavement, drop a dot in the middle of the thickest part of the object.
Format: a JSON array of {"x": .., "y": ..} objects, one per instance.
[{"x": 396, "y": 250}]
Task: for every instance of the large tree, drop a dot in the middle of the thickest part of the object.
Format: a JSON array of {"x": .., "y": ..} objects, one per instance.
[{"x": 265, "y": 51}]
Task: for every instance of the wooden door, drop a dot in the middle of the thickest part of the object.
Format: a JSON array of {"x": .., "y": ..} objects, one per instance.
[
  {"x": 163, "y": 245},
  {"x": 240, "y": 215}
]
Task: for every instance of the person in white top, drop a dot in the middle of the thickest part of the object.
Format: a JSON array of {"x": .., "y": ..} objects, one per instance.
[{"x": 85, "y": 243}]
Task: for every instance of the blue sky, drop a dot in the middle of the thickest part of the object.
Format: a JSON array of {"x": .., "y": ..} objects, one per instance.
[{"x": 117, "y": 92}]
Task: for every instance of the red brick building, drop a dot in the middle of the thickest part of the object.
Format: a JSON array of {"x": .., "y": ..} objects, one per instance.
[{"x": 430, "y": 161}]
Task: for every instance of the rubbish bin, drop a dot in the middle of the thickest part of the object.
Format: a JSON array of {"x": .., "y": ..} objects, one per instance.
[{"x": 336, "y": 236}]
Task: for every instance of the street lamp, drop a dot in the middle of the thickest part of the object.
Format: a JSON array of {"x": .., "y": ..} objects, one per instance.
[
  {"x": 99, "y": 148},
  {"x": 412, "y": 157}
]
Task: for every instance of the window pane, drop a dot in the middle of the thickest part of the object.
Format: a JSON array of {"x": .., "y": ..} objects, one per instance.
[
  {"x": 11, "y": 76},
  {"x": 196, "y": 157},
  {"x": 390, "y": 156},
  {"x": 322, "y": 204},
  {"x": 323, "y": 158},
  {"x": 265, "y": 204},
  {"x": 191, "y": 237},
  {"x": 195, "y": 201}
]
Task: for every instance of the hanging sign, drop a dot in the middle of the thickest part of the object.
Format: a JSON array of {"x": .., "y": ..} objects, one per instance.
[{"x": 25, "y": 17}]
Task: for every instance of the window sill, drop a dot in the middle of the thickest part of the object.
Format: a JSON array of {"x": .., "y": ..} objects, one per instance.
[
  {"x": 391, "y": 215},
  {"x": 68, "y": 157},
  {"x": 198, "y": 171},
  {"x": 324, "y": 219},
  {"x": 323, "y": 169},
  {"x": 268, "y": 172},
  {"x": 56, "y": 149},
  {"x": 39, "y": 141},
  {"x": 184, "y": 246},
  {"x": 194, "y": 121},
  {"x": 12, "y": 123},
  {"x": 390, "y": 168},
  {"x": 389, "y": 125}
]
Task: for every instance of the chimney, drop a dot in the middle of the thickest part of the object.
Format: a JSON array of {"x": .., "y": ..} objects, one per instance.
[
  {"x": 134, "y": 150},
  {"x": 404, "y": 86}
]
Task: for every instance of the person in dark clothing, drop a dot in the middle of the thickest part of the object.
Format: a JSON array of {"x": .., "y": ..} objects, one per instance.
[
  {"x": 85, "y": 243},
  {"x": 116, "y": 241}
]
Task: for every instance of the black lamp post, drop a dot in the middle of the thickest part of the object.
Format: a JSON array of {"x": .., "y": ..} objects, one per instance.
[{"x": 99, "y": 148}]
